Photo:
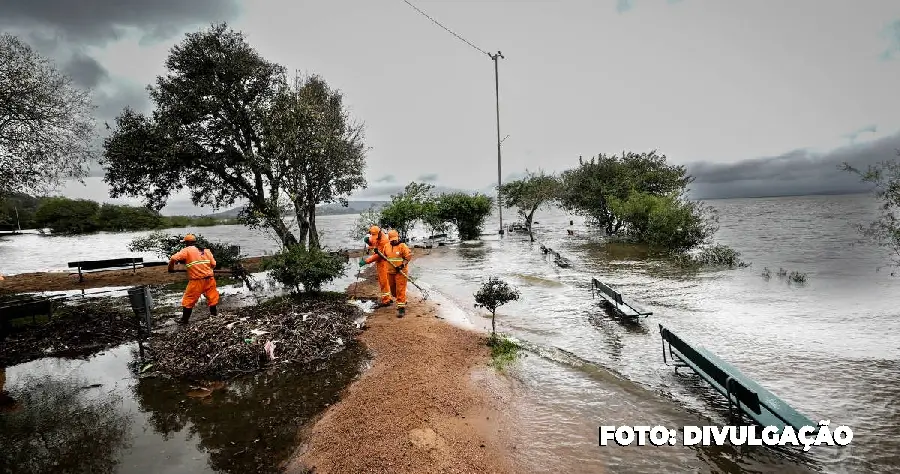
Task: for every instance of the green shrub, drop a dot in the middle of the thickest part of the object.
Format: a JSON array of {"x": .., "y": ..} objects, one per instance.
[
  {"x": 297, "y": 268},
  {"x": 467, "y": 212},
  {"x": 493, "y": 294},
  {"x": 714, "y": 256},
  {"x": 667, "y": 224}
]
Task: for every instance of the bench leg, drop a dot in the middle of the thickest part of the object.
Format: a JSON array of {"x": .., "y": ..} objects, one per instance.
[{"x": 80, "y": 276}]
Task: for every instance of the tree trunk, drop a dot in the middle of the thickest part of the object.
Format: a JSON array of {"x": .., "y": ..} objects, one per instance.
[
  {"x": 311, "y": 223},
  {"x": 302, "y": 221},
  {"x": 287, "y": 238},
  {"x": 528, "y": 220},
  {"x": 493, "y": 324}
]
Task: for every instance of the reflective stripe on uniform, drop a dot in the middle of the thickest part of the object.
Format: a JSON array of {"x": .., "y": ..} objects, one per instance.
[
  {"x": 399, "y": 305},
  {"x": 195, "y": 262}
]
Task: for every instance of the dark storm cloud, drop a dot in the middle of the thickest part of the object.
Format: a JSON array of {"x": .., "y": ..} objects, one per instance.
[
  {"x": 99, "y": 21},
  {"x": 428, "y": 178},
  {"x": 794, "y": 173},
  {"x": 85, "y": 71},
  {"x": 388, "y": 178}
]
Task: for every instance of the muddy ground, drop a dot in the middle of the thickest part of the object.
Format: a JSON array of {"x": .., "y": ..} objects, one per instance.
[{"x": 430, "y": 403}]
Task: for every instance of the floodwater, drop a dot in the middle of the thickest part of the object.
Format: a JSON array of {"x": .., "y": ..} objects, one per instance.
[
  {"x": 97, "y": 416},
  {"x": 828, "y": 347}
]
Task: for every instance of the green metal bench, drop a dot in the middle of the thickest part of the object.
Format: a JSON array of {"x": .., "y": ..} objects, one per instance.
[
  {"x": 111, "y": 264},
  {"x": 744, "y": 395},
  {"x": 616, "y": 303}
]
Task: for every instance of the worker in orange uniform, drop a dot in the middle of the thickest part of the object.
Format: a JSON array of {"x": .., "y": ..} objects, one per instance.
[
  {"x": 376, "y": 240},
  {"x": 398, "y": 256},
  {"x": 202, "y": 281}
]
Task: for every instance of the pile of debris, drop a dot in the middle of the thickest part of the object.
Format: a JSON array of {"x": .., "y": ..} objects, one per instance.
[
  {"x": 75, "y": 330},
  {"x": 289, "y": 329}
]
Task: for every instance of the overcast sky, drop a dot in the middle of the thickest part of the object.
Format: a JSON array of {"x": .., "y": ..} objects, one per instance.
[{"x": 757, "y": 98}]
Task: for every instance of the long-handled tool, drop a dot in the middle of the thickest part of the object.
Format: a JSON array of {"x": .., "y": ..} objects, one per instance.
[
  {"x": 356, "y": 285},
  {"x": 423, "y": 290}
]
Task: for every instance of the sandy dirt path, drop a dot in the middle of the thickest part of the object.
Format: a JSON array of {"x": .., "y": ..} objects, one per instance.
[{"x": 430, "y": 402}]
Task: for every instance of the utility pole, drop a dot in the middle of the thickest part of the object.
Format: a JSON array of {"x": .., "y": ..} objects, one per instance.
[{"x": 497, "y": 92}]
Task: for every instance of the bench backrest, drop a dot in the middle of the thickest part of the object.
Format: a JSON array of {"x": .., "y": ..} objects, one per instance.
[
  {"x": 748, "y": 397},
  {"x": 25, "y": 309},
  {"x": 609, "y": 291},
  {"x": 114, "y": 262}
]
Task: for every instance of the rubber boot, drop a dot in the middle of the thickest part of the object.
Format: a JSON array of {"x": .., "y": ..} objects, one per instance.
[
  {"x": 401, "y": 311},
  {"x": 213, "y": 310},
  {"x": 185, "y": 315}
]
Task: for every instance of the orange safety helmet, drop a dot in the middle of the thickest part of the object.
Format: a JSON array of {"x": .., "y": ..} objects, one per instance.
[
  {"x": 393, "y": 235},
  {"x": 374, "y": 230},
  {"x": 189, "y": 238}
]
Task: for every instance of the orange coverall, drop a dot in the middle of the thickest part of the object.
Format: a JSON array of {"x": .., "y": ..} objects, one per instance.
[
  {"x": 199, "y": 265},
  {"x": 377, "y": 240},
  {"x": 397, "y": 255}
]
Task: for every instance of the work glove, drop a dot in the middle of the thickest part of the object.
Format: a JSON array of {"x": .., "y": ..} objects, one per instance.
[
  {"x": 362, "y": 262},
  {"x": 401, "y": 267}
]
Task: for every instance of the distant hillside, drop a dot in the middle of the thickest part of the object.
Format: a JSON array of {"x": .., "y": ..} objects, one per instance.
[{"x": 353, "y": 207}]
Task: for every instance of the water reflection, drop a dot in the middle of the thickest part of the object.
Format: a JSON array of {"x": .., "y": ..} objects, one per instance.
[
  {"x": 251, "y": 424},
  {"x": 62, "y": 425}
]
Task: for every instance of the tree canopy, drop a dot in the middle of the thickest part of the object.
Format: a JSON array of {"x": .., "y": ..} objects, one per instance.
[
  {"x": 587, "y": 189},
  {"x": 530, "y": 193},
  {"x": 227, "y": 127},
  {"x": 885, "y": 230},
  {"x": 46, "y": 123}
]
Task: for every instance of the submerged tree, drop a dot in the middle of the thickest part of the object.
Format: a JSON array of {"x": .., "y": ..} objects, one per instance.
[
  {"x": 493, "y": 294},
  {"x": 46, "y": 123},
  {"x": 588, "y": 189},
  {"x": 529, "y": 194},
  {"x": 884, "y": 231},
  {"x": 466, "y": 212},
  {"x": 227, "y": 127}
]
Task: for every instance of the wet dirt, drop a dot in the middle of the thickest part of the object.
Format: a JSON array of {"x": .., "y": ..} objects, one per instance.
[{"x": 419, "y": 408}]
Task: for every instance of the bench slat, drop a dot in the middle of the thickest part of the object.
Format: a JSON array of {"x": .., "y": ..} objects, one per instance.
[{"x": 113, "y": 262}]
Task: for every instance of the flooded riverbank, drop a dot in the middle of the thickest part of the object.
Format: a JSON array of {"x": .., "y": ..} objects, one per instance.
[{"x": 826, "y": 346}]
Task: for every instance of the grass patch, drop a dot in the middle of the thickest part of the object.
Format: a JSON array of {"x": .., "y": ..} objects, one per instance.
[
  {"x": 791, "y": 277},
  {"x": 503, "y": 352}
]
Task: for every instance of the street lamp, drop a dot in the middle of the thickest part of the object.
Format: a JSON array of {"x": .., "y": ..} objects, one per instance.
[{"x": 495, "y": 57}]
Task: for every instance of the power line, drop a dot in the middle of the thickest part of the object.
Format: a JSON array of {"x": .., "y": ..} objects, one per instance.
[{"x": 448, "y": 29}]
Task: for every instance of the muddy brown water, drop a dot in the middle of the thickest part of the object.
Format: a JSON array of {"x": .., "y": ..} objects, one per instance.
[
  {"x": 830, "y": 347},
  {"x": 96, "y": 416}
]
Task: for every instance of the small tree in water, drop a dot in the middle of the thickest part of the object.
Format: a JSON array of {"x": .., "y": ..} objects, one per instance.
[
  {"x": 493, "y": 294},
  {"x": 885, "y": 231}
]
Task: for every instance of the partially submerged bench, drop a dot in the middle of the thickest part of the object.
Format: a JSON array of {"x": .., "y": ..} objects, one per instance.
[
  {"x": 744, "y": 395},
  {"x": 23, "y": 308},
  {"x": 615, "y": 301},
  {"x": 111, "y": 264}
]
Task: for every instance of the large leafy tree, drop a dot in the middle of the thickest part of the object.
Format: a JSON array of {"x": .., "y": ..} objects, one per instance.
[
  {"x": 589, "y": 188},
  {"x": 315, "y": 147},
  {"x": 206, "y": 133},
  {"x": 46, "y": 123},
  {"x": 530, "y": 193}
]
